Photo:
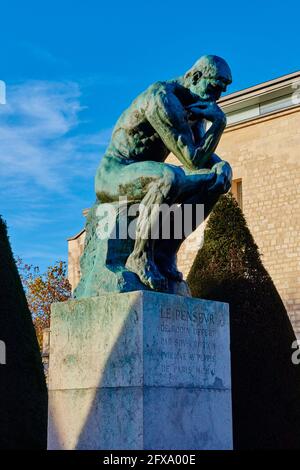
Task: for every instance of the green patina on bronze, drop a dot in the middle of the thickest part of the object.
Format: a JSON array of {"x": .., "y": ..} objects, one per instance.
[{"x": 168, "y": 117}]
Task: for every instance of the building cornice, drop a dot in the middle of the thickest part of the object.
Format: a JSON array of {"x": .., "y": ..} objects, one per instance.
[
  {"x": 263, "y": 118},
  {"x": 277, "y": 84}
]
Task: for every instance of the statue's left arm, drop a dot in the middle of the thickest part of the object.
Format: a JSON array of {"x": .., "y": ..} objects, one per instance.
[
  {"x": 221, "y": 167},
  {"x": 170, "y": 120},
  {"x": 198, "y": 129}
]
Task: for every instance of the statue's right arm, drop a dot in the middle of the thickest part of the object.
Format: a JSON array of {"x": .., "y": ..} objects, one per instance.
[{"x": 168, "y": 117}]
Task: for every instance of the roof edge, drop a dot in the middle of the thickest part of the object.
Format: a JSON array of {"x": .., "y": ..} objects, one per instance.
[
  {"x": 253, "y": 90},
  {"x": 76, "y": 236}
]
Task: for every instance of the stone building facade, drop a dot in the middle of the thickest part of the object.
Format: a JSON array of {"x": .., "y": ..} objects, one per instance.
[{"x": 262, "y": 144}]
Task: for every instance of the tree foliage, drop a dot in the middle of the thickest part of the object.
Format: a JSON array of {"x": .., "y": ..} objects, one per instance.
[
  {"x": 265, "y": 382},
  {"x": 42, "y": 290}
]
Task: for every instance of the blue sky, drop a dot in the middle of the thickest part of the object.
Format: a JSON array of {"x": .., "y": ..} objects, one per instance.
[{"x": 72, "y": 67}]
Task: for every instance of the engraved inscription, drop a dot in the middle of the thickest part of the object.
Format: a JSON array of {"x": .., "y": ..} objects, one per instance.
[{"x": 186, "y": 343}]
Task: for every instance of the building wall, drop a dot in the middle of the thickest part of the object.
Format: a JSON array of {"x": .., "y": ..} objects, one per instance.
[
  {"x": 264, "y": 154},
  {"x": 75, "y": 250}
]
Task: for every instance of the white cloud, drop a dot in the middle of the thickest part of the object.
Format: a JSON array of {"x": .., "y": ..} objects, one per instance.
[
  {"x": 41, "y": 146},
  {"x": 47, "y": 167}
]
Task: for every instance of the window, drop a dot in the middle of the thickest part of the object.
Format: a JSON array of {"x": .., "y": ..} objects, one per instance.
[
  {"x": 242, "y": 114},
  {"x": 276, "y": 104},
  {"x": 237, "y": 191}
]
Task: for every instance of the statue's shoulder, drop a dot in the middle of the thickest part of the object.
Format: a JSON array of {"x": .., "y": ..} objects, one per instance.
[
  {"x": 159, "y": 87},
  {"x": 148, "y": 95}
]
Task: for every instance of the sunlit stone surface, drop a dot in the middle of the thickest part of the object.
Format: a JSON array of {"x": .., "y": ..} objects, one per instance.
[{"x": 140, "y": 370}]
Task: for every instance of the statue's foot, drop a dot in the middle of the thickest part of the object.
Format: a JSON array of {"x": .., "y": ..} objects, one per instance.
[
  {"x": 167, "y": 266},
  {"x": 147, "y": 272}
]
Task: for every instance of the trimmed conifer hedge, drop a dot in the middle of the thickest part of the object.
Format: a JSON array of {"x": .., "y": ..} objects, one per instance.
[
  {"x": 23, "y": 393},
  {"x": 265, "y": 382}
]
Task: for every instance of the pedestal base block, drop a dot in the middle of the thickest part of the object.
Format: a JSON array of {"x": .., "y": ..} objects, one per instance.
[{"x": 140, "y": 370}]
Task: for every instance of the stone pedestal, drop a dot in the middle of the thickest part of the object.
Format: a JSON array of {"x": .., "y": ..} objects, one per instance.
[{"x": 140, "y": 370}]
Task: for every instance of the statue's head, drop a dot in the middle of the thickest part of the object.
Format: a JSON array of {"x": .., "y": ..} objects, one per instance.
[{"x": 208, "y": 77}]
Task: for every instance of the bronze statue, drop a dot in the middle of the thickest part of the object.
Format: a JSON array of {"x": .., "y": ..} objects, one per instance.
[{"x": 169, "y": 116}]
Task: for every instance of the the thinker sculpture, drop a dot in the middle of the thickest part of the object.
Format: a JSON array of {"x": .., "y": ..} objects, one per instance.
[{"x": 168, "y": 117}]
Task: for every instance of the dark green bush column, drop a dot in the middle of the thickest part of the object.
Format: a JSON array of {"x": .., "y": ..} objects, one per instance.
[
  {"x": 23, "y": 394},
  {"x": 265, "y": 383}
]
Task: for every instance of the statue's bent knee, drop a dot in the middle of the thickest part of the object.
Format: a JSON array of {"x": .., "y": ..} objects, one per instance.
[{"x": 171, "y": 180}]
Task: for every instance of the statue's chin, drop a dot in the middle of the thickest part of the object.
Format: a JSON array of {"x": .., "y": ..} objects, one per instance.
[
  {"x": 207, "y": 94},
  {"x": 214, "y": 96}
]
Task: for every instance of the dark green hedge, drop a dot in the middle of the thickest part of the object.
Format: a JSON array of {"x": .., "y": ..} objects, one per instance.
[
  {"x": 23, "y": 393},
  {"x": 265, "y": 383}
]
